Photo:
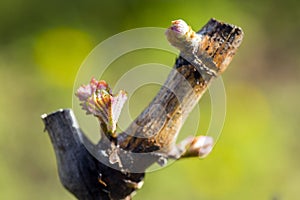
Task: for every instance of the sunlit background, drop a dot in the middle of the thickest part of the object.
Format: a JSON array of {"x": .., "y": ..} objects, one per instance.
[{"x": 43, "y": 43}]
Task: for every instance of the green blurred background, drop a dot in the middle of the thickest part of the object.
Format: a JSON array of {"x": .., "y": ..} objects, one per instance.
[{"x": 43, "y": 43}]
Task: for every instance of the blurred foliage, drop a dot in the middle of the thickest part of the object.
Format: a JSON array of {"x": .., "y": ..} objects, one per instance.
[{"x": 43, "y": 43}]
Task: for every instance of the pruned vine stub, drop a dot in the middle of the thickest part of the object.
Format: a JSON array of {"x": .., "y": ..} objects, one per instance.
[{"x": 117, "y": 170}]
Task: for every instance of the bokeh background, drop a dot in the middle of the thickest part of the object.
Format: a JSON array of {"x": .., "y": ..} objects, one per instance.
[{"x": 43, "y": 43}]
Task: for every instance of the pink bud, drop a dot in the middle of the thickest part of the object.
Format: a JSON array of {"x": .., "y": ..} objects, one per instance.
[{"x": 96, "y": 98}]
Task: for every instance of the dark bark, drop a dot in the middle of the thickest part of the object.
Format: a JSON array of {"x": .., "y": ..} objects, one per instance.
[{"x": 79, "y": 171}]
